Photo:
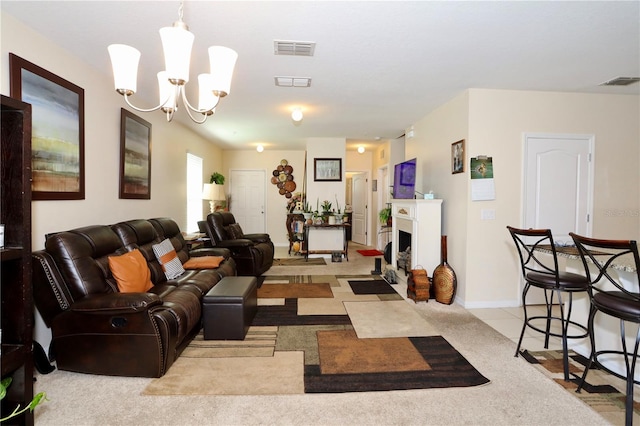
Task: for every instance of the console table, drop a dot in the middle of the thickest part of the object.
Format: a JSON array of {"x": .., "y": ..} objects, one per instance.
[{"x": 325, "y": 226}]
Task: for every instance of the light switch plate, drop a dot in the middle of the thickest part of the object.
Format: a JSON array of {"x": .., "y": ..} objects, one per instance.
[{"x": 488, "y": 214}]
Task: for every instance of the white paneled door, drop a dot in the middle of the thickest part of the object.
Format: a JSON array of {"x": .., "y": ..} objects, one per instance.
[
  {"x": 359, "y": 206},
  {"x": 558, "y": 187},
  {"x": 247, "y": 192},
  {"x": 558, "y": 184}
]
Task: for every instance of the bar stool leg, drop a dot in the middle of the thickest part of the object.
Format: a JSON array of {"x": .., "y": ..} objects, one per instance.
[
  {"x": 526, "y": 318},
  {"x": 592, "y": 314}
]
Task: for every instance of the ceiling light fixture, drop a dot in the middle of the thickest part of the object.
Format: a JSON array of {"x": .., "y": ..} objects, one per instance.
[
  {"x": 260, "y": 148},
  {"x": 296, "y": 115},
  {"x": 361, "y": 150},
  {"x": 177, "y": 42}
]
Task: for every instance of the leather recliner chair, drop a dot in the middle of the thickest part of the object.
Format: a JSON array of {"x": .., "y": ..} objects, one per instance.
[{"x": 253, "y": 253}]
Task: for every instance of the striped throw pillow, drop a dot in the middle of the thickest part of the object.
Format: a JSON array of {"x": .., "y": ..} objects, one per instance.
[{"x": 168, "y": 258}]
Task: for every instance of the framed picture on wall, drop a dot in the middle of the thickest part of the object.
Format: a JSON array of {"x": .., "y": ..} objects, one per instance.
[
  {"x": 457, "y": 157},
  {"x": 57, "y": 135},
  {"x": 327, "y": 169},
  {"x": 135, "y": 157}
]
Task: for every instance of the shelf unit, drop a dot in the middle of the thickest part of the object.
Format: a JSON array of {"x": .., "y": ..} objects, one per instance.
[{"x": 15, "y": 280}]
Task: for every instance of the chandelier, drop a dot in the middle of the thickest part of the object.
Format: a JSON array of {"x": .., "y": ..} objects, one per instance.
[{"x": 177, "y": 42}]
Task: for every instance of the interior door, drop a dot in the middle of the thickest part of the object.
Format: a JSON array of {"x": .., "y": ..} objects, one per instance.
[
  {"x": 558, "y": 193},
  {"x": 558, "y": 186},
  {"x": 247, "y": 191},
  {"x": 359, "y": 206}
]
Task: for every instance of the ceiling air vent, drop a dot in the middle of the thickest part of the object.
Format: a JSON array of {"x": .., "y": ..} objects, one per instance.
[
  {"x": 293, "y": 81},
  {"x": 621, "y": 81},
  {"x": 293, "y": 48}
]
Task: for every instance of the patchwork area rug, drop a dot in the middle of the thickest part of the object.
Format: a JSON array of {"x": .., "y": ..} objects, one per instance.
[
  {"x": 299, "y": 261},
  {"x": 339, "y": 342},
  {"x": 370, "y": 252},
  {"x": 597, "y": 392},
  {"x": 371, "y": 287}
]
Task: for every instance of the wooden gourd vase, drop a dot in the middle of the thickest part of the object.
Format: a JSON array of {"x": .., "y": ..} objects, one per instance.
[{"x": 444, "y": 277}]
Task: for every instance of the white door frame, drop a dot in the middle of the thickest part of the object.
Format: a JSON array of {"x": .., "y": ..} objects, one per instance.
[
  {"x": 367, "y": 213},
  {"x": 264, "y": 191},
  {"x": 537, "y": 297},
  {"x": 590, "y": 183}
]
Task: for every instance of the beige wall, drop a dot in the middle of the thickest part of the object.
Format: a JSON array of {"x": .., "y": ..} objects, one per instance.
[
  {"x": 431, "y": 144},
  {"x": 276, "y": 212},
  {"x": 493, "y": 123},
  {"x": 170, "y": 142}
]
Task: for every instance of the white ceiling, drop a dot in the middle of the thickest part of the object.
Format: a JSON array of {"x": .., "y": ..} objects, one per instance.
[{"x": 379, "y": 66}]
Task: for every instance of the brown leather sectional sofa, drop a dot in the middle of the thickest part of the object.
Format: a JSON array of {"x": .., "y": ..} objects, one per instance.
[{"x": 95, "y": 328}]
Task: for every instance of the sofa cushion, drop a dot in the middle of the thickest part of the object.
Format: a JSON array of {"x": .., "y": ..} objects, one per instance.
[
  {"x": 168, "y": 258},
  {"x": 203, "y": 262},
  {"x": 235, "y": 231},
  {"x": 131, "y": 272}
]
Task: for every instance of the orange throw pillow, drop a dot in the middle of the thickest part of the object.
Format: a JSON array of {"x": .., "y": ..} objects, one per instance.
[
  {"x": 131, "y": 272},
  {"x": 203, "y": 262}
]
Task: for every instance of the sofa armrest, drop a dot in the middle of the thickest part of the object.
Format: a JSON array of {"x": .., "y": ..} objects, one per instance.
[
  {"x": 210, "y": 251},
  {"x": 235, "y": 244},
  {"x": 258, "y": 238},
  {"x": 116, "y": 303}
]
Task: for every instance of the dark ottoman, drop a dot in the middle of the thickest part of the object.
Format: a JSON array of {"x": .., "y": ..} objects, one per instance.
[{"x": 229, "y": 307}]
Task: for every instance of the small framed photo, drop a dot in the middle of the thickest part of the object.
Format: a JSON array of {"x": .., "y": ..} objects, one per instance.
[
  {"x": 327, "y": 169},
  {"x": 135, "y": 157},
  {"x": 457, "y": 157}
]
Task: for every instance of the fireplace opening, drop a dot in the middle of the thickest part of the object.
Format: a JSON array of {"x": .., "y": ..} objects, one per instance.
[
  {"x": 404, "y": 240},
  {"x": 403, "y": 257}
]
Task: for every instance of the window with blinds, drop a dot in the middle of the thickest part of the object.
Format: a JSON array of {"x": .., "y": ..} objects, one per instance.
[{"x": 194, "y": 192}]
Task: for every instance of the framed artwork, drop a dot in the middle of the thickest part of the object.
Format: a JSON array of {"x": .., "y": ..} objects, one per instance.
[
  {"x": 57, "y": 138},
  {"x": 135, "y": 157},
  {"x": 327, "y": 169},
  {"x": 457, "y": 157}
]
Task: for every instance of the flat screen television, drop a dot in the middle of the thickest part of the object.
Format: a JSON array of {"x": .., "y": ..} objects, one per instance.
[{"x": 404, "y": 179}]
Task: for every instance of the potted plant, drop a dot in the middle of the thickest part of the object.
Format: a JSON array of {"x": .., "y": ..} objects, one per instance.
[
  {"x": 385, "y": 216},
  {"x": 217, "y": 178},
  {"x": 306, "y": 210}
]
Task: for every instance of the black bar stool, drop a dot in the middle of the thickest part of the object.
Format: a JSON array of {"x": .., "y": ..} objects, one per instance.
[
  {"x": 540, "y": 270},
  {"x": 609, "y": 296}
]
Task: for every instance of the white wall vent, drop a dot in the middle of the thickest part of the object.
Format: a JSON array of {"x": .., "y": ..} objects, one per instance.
[
  {"x": 294, "y": 48},
  {"x": 292, "y": 81}
]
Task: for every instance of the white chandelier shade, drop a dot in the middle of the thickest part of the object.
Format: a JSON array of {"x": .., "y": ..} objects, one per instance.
[{"x": 177, "y": 43}]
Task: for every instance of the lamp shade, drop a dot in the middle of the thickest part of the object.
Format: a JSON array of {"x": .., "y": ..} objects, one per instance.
[
  {"x": 176, "y": 44},
  {"x": 222, "y": 61},
  {"x": 206, "y": 99},
  {"x": 213, "y": 192},
  {"x": 124, "y": 61}
]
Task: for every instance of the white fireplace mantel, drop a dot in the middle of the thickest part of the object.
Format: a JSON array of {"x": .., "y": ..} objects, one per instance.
[{"x": 423, "y": 220}]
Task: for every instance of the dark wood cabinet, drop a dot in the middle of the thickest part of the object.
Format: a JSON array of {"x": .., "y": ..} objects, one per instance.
[{"x": 15, "y": 280}]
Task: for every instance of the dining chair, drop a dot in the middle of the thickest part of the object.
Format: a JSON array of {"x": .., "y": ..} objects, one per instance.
[
  {"x": 539, "y": 265},
  {"x": 610, "y": 296}
]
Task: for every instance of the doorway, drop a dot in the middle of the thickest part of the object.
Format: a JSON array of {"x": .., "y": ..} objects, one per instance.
[
  {"x": 558, "y": 186},
  {"x": 359, "y": 206},
  {"x": 247, "y": 193}
]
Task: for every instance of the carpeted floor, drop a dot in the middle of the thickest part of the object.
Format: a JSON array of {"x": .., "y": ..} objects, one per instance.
[
  {"x": 299, "y": 261},
  {"x": 289, "y": 352}
]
